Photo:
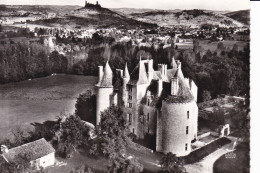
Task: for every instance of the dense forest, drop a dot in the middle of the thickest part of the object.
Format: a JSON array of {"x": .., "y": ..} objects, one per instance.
[{"x": 223, "y": 71}]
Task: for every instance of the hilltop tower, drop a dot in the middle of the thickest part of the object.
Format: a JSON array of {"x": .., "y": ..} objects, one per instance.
[{"x": 104, "y": 90}]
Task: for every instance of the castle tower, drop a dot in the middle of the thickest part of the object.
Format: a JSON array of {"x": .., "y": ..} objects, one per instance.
[
  {"x": 126, "y": 78},
  {"x": 104, "y": 90},
  {"x": 177, "y": 121}
]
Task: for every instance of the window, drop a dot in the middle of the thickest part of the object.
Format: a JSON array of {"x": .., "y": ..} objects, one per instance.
[
  {"x": 130, "y": 97},
  {"x": 133, "y": 130},
  {"x": 148, "y": 130},
  {"x": 130, "y": 118},
  {"x": 129, "y": 88},
  {"x": 148, "y": 117},
  {"x": 188, "y": 114},
  {"x": 186, "y": 147},
  {"x": 187, "y": 130},
  {"x": 148, "y": 102},
  {"x": 130, "y": 105}
]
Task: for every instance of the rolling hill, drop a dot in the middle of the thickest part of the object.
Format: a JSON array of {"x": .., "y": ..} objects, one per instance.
[
  {"x": 242, "y": 16},
  {"x": 94, "y": 17},
  {"x": 187, "y": 17}
]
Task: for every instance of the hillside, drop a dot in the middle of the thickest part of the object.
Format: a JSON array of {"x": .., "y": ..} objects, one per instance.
[
  {"x": 193, "y": 18},
  {"x": 94, "y": 17},
  {"x": 91, "y": 16},
  {"x": 242, "y": 16}
]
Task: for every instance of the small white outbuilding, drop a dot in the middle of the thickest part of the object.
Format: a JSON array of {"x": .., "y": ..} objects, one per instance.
[{"x": 40, "y": 152}]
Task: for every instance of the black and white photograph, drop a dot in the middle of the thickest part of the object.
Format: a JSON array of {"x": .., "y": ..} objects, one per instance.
[{"x": 125, "y": 86}]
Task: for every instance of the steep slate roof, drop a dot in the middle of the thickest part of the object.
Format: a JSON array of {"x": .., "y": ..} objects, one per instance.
[
  {"x": 174, "y": 65},
  {"x": 139, "y": 75},
  {"x": 36, "y": 150},
  {"x": 126, "y": 72},
  {"x": 107, "y": 77},
  {"x": 184, "y": 94}
]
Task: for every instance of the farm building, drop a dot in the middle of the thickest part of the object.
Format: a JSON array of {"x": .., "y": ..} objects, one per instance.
[{"x": 40, "y": 153}]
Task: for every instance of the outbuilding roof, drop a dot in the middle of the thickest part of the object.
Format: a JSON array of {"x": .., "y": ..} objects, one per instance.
[{"x": 35, "y": 150}]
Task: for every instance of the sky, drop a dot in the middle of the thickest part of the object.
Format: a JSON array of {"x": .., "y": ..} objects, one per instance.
[{"x": 221, "y": 5}]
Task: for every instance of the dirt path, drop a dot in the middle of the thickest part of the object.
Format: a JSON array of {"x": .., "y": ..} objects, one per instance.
[{"x": 206, "y": 164}]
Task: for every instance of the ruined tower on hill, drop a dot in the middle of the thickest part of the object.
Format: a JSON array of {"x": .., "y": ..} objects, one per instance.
[
  {"x": 160, "y": 103},
  {"x": 90, "y": 5}
]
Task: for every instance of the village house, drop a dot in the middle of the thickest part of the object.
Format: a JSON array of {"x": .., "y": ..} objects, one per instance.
[{"x": 41, "y": 153}]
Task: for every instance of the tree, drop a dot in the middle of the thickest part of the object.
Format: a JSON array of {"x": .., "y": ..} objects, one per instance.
[
  {"x": 221, "y": 46},
  {"x": 21, "y": 164},
  {"x": 124, "y": 165},
  {"x": 172, "y": 164},
  {"x": 86, "y": 106},
  {"x": 206, "y": 96},
  {"x": 112, "y": 133},
  {"x": 112, "y": 140},
  {"x": 74, "y": 134}
]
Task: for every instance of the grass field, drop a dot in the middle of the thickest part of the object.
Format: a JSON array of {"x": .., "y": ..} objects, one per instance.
[
  {"x": 238, "y": 164},
  {"x": 39, "y": 100},
  {"x": 212, "y": 46},
  {"x": 99, "y": 164}
]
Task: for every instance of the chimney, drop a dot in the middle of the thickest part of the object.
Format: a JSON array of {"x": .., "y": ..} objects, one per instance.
[
  {"x": 119, "y": 73},
  {"x": 174, "y": 86},
  {"x": 160, "y": 67},
  {"x": 159, "y": 87},
  {"x": 150, "y": 70},
  {"x": 100, "y": 73},
  {"x": 165, "y": 69},
  {"x": 4, "y": 149}
]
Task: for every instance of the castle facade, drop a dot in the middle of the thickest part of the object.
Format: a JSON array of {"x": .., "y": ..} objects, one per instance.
[{"x": 162, "y": 103}]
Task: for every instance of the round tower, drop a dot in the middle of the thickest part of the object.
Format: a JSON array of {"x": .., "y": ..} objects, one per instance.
[
  {"x": 177, "y": 127},
  {"x": 104, "y": 91},
  {"x": 177, "y": 121}
]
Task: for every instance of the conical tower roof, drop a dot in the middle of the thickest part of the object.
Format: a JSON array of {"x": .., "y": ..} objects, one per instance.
[
  {"x": 107, "y": 77},
  {"x": 174, "y": 65},
  {"x": 126, "y": 72},
  {"x": 139, "y": 76}
]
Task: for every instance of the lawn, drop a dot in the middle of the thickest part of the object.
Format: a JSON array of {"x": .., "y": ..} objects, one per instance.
[
  {"x": 212, "y": 46},
  {"x": 39, "y": 100},
  {"x": 99, "y": 164},
  {"x": 239, "y": 164}
]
